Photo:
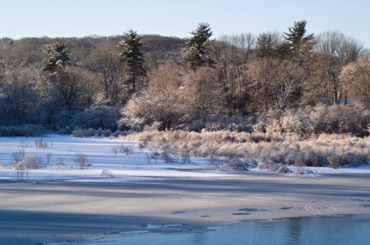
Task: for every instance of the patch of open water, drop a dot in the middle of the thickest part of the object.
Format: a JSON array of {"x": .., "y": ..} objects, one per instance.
[{"x": 349, "y": 229}]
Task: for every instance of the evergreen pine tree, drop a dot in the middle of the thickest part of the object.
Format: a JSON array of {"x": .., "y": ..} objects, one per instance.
[
  {"x": 132, "y": 55},
  {"x": 196, "y": 52},
  {"x": 296, "y": 37},
  {"x": 57, "y": 57}
]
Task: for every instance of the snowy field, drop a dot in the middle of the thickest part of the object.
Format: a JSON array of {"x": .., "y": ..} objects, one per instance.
[{"x": 58, "y": 157}]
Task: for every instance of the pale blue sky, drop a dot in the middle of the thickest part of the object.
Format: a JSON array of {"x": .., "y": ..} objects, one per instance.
[{"x": 78, "y": 18}]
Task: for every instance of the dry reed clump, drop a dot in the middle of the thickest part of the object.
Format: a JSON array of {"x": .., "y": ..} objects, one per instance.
[
  {"x": 271, "y": 150},
  {"x": 81, "y": 160},
  {"x": 123, "y": 150},
  {"x": 23, "y": 164},
  {"x": 107, "y": 173},
  {"x": 32, "y": 162},
  {"x": 60, "y": 164},
  {"x": 237, "y": 164},
  {"x": 41, "y": 144}
]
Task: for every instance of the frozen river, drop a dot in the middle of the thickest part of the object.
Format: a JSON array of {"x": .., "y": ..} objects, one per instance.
[{"x": 115, "y": 198}]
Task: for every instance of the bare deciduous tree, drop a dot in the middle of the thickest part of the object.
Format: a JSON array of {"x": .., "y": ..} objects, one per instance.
[
  {"x": 275, "y": 83},
  {"x": 203, "y": 94},
  {"x": 69, "y": 88},
  {"x": 20, "y": 94},
  {"x": 355, "y": 78},
  {"x": 244, "y": 41},
  {"x": 231, "y": 73},
  {"x": 337, "y": 50},
  {"x": 105, "y": 63}
]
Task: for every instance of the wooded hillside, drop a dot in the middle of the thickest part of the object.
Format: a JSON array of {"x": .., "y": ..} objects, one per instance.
[{"x": 285, "y": 83}]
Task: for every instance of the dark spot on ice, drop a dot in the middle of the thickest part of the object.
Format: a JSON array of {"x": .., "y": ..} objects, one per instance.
[
  {"x": 357, "y": 200},
  {"x": 286, "y": 208},
  {"x": 251, "y": 210},
  {"x": 241, "y": 213}
]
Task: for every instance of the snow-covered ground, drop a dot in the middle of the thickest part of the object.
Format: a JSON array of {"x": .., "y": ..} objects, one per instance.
[{"x": 106, "y": 159}]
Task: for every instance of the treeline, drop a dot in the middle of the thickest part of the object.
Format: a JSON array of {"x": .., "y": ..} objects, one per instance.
[{"x": 285, "y": 83}]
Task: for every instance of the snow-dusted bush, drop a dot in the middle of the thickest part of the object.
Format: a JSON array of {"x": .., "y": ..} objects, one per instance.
[
  {"x": 235, "y": 123},
  {"x": 296, "y": 122},
  {"x": 272, "y": 166},
  {"x": 235, "y": 163},
  {"x": 272, "y": 152},
  {"x": 83, "y": 132},
  {"x": 157, "y": 105},
  {"x": 287, "y": 122},
  {"x": 340, "y": 119},
  {"x": 227, "y": 150},
  {"x": 97, "y": 117},
  {"x": 331, "y": 119},
  {"x": 23, "y": 130},
  {"x": 274, "y": 127},
  {"x": 91, "y": 132}
]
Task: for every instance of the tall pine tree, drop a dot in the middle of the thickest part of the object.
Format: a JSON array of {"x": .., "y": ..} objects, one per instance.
[
  {"x": 196, "y": 55},
  {"x": 297, "y": 38},
  {"x": 132, "y": 55},
  {"x": 57, "y": 57}
]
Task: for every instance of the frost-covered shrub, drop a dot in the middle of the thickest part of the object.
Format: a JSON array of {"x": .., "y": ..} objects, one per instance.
[
  {"x": 274, "y": 127},
  {"x": 235, "y": 123},
  {"x": 259, "y": 126},
  {"x": 235, "y": 163},
  {"x": 206, "y": 150},
  {"x": 98, "y": 117},
  {"x": 153, "y": 126},
  {"x": 288, "y": 122},
  {"x": 269, "y": 150},
  {"x": 23, "y": 130},
  {"x": 152, "y": 106},
  {"x": 91, "y": 132},
  {"x": 340, "y": 119},
  {"x": 83, "y": 132},
  {"x": 296, "y": 122},
  {"x": 271, "y": 166},
  {"x": 283, "y": 169},
  {"x": 331, "y": 119},
  {"x": 227, "y": 150}
]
